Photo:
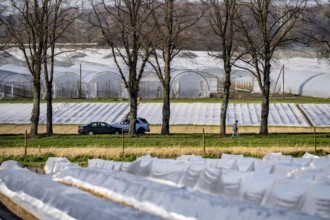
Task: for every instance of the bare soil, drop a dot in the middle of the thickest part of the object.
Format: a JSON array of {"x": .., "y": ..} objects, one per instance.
[{"x": 12, "y": 211}]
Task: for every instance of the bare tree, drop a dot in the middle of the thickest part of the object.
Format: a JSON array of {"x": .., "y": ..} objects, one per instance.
[
  {"x": 171, "y": 18},
  {"x": 222, "y": 15},
  {"x": 124, "y": 26},
  {"x": 28, "y": 31},
  {"x": 35, "y": 27},
  {"x": 59, "y": 18},
  {"x": 3, "y": 33},
  {"x": 263, "y": 31},
  {"x": 315, "y": 28}
]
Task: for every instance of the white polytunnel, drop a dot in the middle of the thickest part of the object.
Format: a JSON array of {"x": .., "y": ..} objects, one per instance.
[
  {"x": 192, "y": 84},
  {"x": 306, "y": 83},
  {"x": 213, "y": 76},
  {"x": 101, "y": 81},
  {"x": 65, "y": 82},
  {"x": 77, "y": 55},
  {"x": 105, "y": 84},
  {"x": 194, "y": 74},
  {"x": 15, "y": 68},
  {"x": 11, "y": 77},
  {"x": 7, "y": 58},
  {"x": 66, "y": 85},
  {"x": 15, "y": 84},
  {"x": 150, "y": 86},
  {"x": 317, "y": 86}
]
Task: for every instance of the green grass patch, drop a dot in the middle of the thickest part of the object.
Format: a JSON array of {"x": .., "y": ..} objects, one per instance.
[
  {"x": 36, "y": 161},
  {"x": 170, "y": 143},
  {"x": 173, "y": 140}
]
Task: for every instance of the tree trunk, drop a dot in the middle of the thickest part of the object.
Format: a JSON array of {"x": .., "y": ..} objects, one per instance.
[
  {"x": 167, "y": 74},
  {"x": 264, "y": 115},
  {"x": 166, "y": 108},
  {"x": 133, "y": 112},
  {"x": 36, "y": 108},
  {"x": 224, "y": 105},
  {"x": 265, "y": 101},
  {"x": 49, "y": 98}
]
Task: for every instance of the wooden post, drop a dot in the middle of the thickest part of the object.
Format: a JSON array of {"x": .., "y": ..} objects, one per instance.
[
  {"x": 25, "y": 145},
  {"x": 80, "y": 94},
  {"x": 123, "y": 143},
  {"x": 283, "y": 82},
  {"x": 315, "y": 139},
  {"x": 204, "y": 141}
]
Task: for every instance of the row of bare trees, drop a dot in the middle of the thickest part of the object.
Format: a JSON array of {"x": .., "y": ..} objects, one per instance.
[
  {"x": 244, "y": 33},
  {"x": 35, "y": 26},
  {"x": 143, "y": 32},
  {"x": 249, "y": 32}
]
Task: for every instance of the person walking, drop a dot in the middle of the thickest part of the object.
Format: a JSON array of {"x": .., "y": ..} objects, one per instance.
[{"x": 235, "y": 130}]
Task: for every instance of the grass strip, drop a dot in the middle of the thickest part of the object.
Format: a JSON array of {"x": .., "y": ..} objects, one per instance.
[{"x": 174, "y": 140}]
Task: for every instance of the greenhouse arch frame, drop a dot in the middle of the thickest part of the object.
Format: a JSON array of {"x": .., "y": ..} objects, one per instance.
[{"x": 196, "y": 93}]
